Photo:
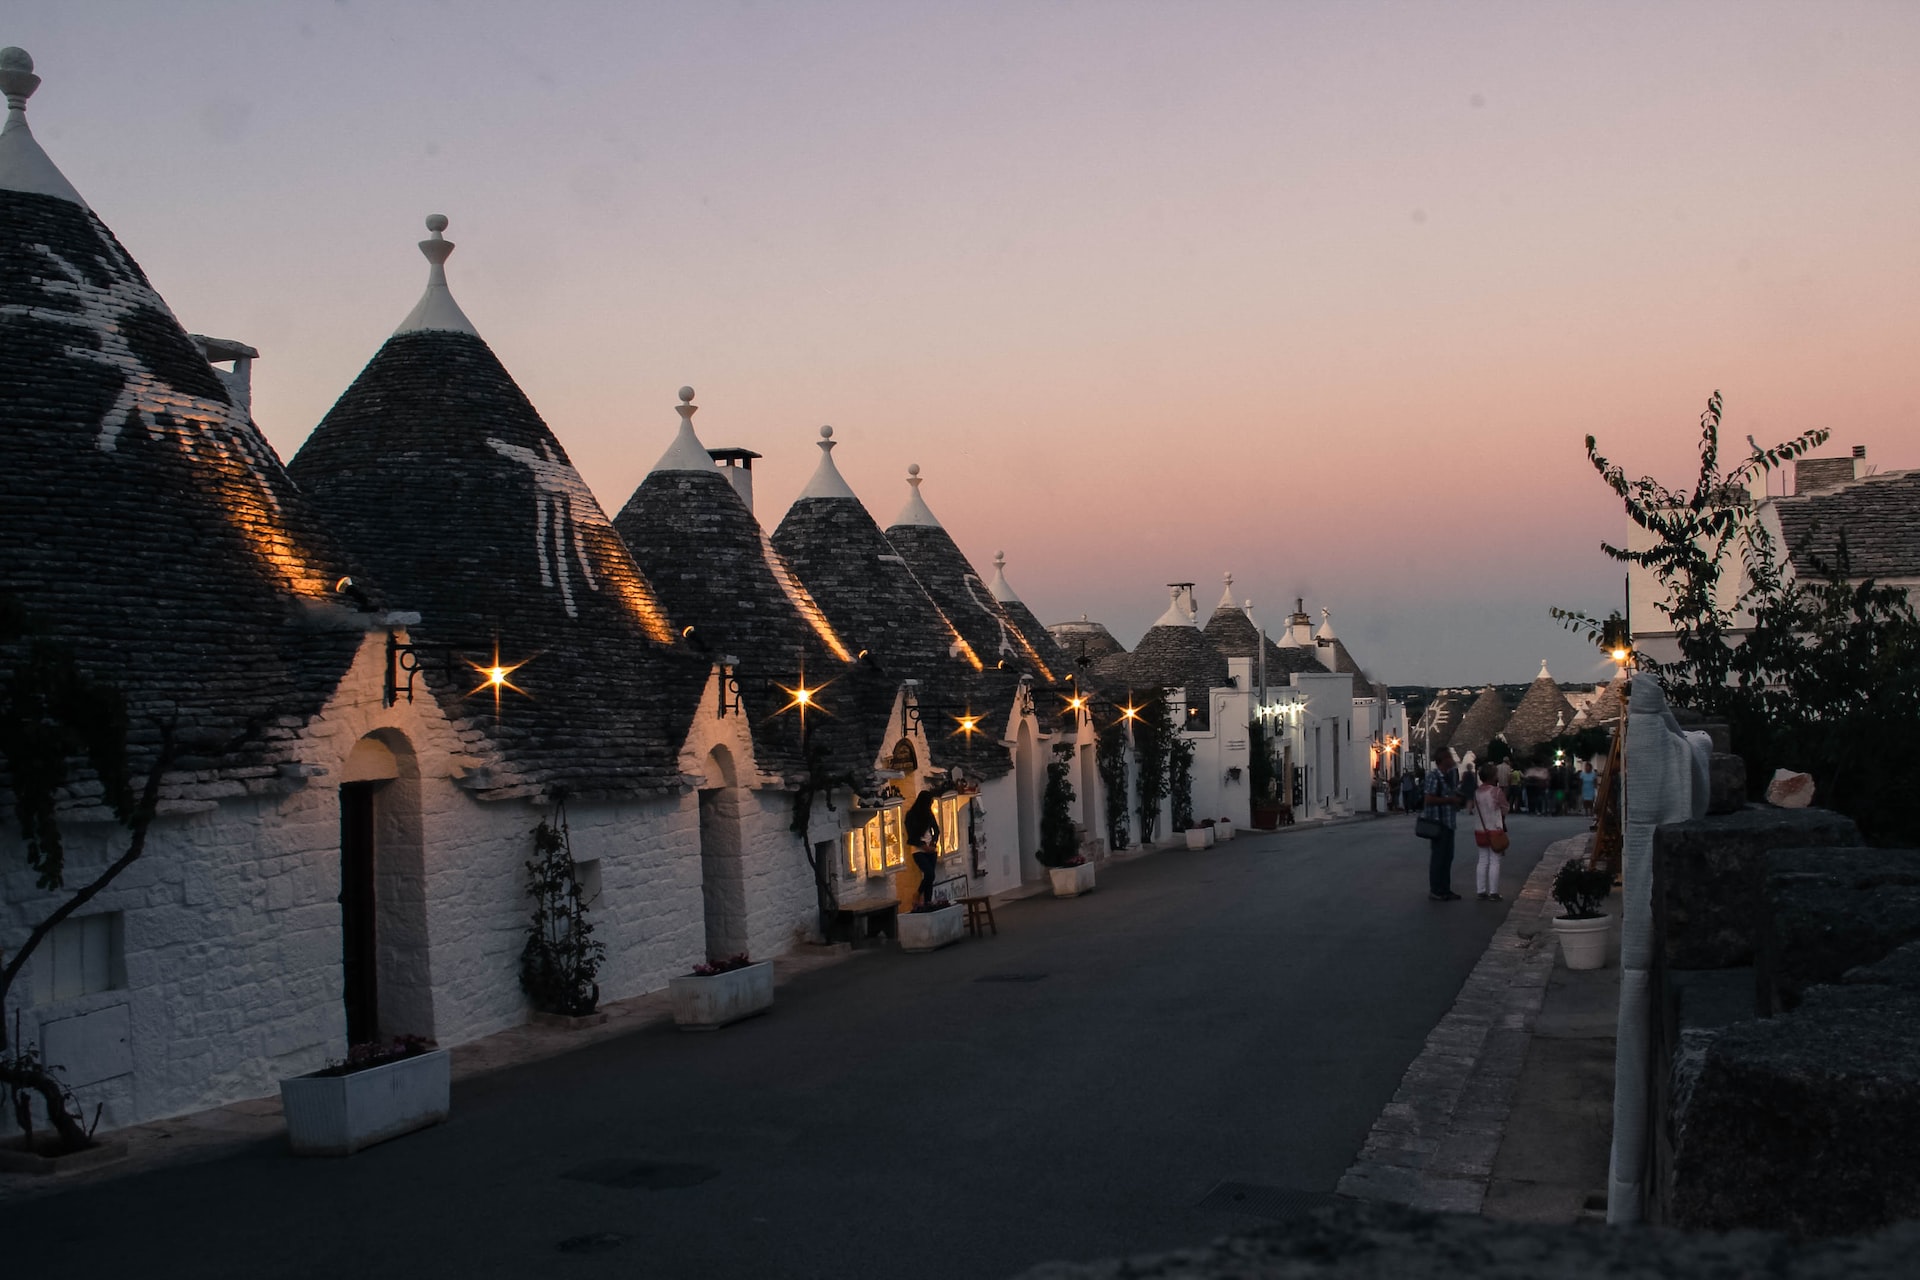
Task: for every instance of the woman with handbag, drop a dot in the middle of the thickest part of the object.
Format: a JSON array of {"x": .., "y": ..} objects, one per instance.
[{"x": 1490, "y": 833}]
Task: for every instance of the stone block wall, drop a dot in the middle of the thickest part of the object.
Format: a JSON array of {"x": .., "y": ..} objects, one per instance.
[
  {"x": 1806, "y": 1119},
  {"x": 1707, "y": 874}
]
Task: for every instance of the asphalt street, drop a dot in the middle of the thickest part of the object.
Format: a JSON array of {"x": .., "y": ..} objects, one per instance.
[{"x": 1073, "y": 1088}]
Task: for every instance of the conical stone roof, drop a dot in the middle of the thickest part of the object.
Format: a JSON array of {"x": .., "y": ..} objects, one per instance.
[
  {"x": 1484, "y": 721},
  {"x": 445, "y": 482},
  {"x": 876, "y": 605},
  {"x": 1174, "y": 653},
  {"x": 1541, "y": 709},
  {"x": 1033, "y": 634},
  {"x": 719, "y": 574},
  {"x": 144, "y": 520},
  {"x": 1443, "y": 715},
  {"x": 958, "y": 589},
  {"x": 1607, "y": 705},
  {"x": 1084, "y": 642}
]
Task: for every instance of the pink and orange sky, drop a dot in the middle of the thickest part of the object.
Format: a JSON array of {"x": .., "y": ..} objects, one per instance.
[{"x": 1327, "y": 295}]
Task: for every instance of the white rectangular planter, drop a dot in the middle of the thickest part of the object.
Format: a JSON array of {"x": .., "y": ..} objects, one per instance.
[
  {"x": 709, "y": 1003},
  {"x": 339, "y": 1115},
  {"x": 1199, "y": 837},
  {"x": 1222, "y": 831},
  {"x": 931, "y": 930},
  {"x": 1071, "y": 882}
]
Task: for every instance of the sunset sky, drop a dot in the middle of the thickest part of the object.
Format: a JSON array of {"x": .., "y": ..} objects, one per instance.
[{"x": 1326, "y": 295}]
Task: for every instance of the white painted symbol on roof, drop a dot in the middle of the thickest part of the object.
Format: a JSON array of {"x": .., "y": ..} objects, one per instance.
[{"x": 562, "y": 504}]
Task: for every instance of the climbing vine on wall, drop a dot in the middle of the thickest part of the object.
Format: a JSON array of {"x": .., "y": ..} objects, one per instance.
[
  {"x": 1152, "y": 740},
  {"x": 560, "y": 962},
  {"x": 1111, "y": 754},
  {"x": 1180, "y": 780}
]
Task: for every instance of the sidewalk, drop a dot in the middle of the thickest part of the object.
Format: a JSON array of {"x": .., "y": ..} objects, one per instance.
[{"x": 1508, "y": 1109}]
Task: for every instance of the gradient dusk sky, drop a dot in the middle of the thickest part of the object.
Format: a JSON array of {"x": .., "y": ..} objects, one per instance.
[{"x": 1326, "y": 295}]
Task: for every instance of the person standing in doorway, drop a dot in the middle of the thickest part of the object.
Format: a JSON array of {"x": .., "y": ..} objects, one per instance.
[
  {"x": 923, "y": 837},
  {"x": 1441, "y": 800},
  {"x": 1589, "y": 787}
]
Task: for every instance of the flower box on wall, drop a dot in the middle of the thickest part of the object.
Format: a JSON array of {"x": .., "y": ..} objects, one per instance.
[
  {"x": 931, "y": 930},
  {"x": 337, "y": 1115},
  {"x": 1071, "y": 882},
  {"x": 711, "y": 1001}
]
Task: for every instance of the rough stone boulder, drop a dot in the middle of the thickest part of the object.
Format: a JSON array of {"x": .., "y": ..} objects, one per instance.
[
  {"x": 1901, "y": 968},
  {"x": 1707, "y": 874},
  {"x": 1386, "y": 1242},
  {"x": 1825, "y": 911},
  {"x": 1808, "y": 1121}
]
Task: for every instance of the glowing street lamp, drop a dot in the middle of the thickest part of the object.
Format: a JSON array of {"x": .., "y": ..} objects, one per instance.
[{"x": 495, "y": 677}]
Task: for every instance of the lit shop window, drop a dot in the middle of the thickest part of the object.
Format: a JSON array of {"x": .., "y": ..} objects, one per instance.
[
  {"x": 947, "y": 811},
  {"x": 878, "y": 844}
]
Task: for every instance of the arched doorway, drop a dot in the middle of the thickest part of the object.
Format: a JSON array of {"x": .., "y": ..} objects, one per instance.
[
  {"x": 385, "y": 954},
  {"x": 723, "y": 869},
  {"x": 1026, "y": 770}
]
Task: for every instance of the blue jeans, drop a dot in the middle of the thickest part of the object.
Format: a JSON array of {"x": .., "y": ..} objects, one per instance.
[{"x": 1440, "y": 863}]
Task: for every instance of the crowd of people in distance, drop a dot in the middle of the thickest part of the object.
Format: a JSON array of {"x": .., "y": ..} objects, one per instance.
[{"x": 1544, "y": 790}]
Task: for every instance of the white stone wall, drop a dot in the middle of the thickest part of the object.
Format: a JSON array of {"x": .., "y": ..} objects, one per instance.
[{"x": 232, "y": 933}]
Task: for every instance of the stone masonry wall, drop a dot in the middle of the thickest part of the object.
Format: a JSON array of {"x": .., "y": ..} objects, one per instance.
[{"x": 231, "y": 938}]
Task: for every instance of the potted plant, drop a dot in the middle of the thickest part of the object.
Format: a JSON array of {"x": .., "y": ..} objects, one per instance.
[
  {"x": 1202, "y": 836},
  {"x": 1067, "y": 867},
  {"x": 720, "y": 992},
  {"x": 1223, "y": 829},
  {"x": 1583, "y": 925},
  {"x": 378, "y": 1091}
]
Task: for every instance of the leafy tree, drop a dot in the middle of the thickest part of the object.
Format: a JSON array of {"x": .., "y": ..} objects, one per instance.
[
  {"x": 1825, "y": 675},
  {"x": 1700, "y": 534},
  {"x": 1831, "y": 683}
]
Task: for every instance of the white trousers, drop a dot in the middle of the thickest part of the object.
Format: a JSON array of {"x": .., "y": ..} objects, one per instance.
[{"x": 1486, "y": 872}]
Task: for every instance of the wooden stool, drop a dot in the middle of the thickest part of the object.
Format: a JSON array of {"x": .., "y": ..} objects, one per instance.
[{"x": 980, "y": 913}]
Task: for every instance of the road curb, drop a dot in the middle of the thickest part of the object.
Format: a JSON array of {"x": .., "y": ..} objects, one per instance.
[{"x": 1433, "y": 1146}]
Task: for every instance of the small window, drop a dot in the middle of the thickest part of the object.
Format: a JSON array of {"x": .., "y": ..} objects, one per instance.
[
  {"x": 856, "y": 845},
  {"x": 82, "y": 955}
]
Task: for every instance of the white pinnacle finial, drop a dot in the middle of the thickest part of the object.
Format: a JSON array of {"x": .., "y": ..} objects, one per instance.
[
  {"x": 827, "y": 481},
  {"x": 1543, "y": 671},
  {"x": 686, "y": 453},
  {"x": 436, "y": 310},
  {"x": 1325, "y": 633},
  {"x": 23, "y": 165},
  {"x": 1226, "y": 597},
  {"x": 1002, "y": 589},
  {"x": 916, "y": 511}
]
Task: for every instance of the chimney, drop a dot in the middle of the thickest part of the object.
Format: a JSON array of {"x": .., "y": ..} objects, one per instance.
[
  {"x": 1859, "y": 462},
  {"x": 1820, "y": 475},
  {"x": 737, "y": 466},
  {"x": 238, "y": 381}
]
